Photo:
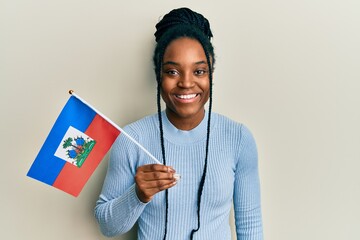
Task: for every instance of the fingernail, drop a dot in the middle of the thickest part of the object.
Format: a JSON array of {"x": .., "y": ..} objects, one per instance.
[
  {"x": 170, "y": 169},
  {"x": 177, "y": 176}
]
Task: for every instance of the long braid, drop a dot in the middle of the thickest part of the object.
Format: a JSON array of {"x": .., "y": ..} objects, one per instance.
[
  {"x": 162, "y": 143},
  {"x": 202, "y": 181}
]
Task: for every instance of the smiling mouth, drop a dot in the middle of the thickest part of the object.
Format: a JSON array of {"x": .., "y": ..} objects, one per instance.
[{"x": 186, "y": 96}]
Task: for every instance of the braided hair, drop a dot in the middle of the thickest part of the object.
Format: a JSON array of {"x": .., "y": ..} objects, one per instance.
[{"x": 179, "y": 23}]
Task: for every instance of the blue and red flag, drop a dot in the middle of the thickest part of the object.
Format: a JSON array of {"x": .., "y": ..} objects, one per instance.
[{"x": 78, "y": 141}]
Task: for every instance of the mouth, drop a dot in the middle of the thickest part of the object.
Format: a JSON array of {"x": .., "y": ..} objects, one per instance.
[{"x": 186, "y": 96}]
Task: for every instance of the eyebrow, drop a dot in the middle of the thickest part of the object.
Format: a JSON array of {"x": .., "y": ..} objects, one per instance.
[{"x": 178, "y": 64}]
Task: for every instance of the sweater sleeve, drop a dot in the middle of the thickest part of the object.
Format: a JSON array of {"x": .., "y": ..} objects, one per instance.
[
  {"x": 118, "y": 207},
  {"x": 247, "y": 206}
]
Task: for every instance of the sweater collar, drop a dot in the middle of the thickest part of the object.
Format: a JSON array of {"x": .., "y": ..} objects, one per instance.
[{"x": 183, "y": 137}]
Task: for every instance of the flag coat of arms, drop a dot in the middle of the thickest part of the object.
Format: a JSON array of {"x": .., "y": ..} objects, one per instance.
[{"x": 76, "y": 144}]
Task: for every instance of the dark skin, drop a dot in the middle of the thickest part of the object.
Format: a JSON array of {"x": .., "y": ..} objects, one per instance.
[
  {"x": 153, "y": 178},
  {"x": 185, "y": 90}
]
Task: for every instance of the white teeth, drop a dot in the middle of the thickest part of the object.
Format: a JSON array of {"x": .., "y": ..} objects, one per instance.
[{"x": 189, "y": 96}]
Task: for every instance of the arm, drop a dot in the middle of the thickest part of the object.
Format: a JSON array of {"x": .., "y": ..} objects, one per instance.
[
  {"x": 118, "y": 207},
  {"x": 127, "y": 188},
  {"x": 247, "y": 206}
]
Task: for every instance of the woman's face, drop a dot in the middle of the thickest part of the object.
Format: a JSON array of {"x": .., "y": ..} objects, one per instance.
[{"x": 185, "y": 82}]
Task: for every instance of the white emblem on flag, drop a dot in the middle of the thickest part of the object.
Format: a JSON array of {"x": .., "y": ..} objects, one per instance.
[{"x": 75, "y": 147}]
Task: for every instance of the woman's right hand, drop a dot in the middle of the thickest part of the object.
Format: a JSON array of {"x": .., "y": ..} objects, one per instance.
[{"x": 153, "y": 178}]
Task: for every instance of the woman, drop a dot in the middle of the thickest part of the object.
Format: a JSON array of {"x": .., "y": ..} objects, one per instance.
[{"x": 216, "y": 157}]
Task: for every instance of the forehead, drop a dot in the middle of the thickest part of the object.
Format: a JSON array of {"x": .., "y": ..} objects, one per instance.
[{"x": 184, "y": 50}]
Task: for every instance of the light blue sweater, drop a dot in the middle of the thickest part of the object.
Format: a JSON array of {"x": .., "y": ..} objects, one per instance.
[{"x": 232, "y": 178}]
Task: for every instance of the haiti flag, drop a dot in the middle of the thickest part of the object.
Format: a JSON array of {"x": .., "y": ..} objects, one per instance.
[{"x": 76, "y": 144}]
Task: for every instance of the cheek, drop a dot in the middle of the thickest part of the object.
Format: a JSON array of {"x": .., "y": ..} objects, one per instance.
[
  {"x": 165, "y": 91},
  {"x": 166, "y": 86},
  {"x": 205, "y": 85},
  {"x": 162, "y": 93},
  {"x": 206, "y": 90}
]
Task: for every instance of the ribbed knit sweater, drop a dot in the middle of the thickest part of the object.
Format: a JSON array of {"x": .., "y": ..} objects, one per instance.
[{"x": 232, "y": 178}]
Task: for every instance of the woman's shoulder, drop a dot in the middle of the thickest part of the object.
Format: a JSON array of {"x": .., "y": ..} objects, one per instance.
[
  {"x": 231, "y": 126},
  {"x": 226, "y": 122},
  {"x": 136, "y": 130},
  {"x": 142, "y": 125}
]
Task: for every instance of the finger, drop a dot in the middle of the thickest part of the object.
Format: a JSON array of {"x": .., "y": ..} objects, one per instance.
[
  {"x": 159, "y": 184},
  {"x": 153, "y": 176},
  {"x": 155, "y": 187},
  {"x": 153, "y": 179},
  {"x": 147, "y": 189},
  {"x": 156, "y": 168}
]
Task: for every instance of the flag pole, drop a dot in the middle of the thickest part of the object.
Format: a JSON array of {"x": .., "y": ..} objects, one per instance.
[{"x": 71, "y": 92}]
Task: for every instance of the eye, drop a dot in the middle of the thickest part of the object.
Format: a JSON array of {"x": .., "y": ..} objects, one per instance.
[
  {"x": 200, "y": 72},
  {"x": 171, "y": 72}
]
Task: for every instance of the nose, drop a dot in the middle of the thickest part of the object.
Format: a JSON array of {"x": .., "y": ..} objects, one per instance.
[{"x": 186, "y": 81}]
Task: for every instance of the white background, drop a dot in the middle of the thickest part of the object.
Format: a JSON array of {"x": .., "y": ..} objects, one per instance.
[{"x": 289, "y": 70}]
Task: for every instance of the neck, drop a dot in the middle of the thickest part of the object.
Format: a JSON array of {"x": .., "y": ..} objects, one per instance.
[{"x": 185, "y": 123}]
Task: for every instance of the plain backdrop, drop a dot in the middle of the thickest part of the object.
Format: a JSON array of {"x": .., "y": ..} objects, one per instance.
[{"x": 289, "y": 70}]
